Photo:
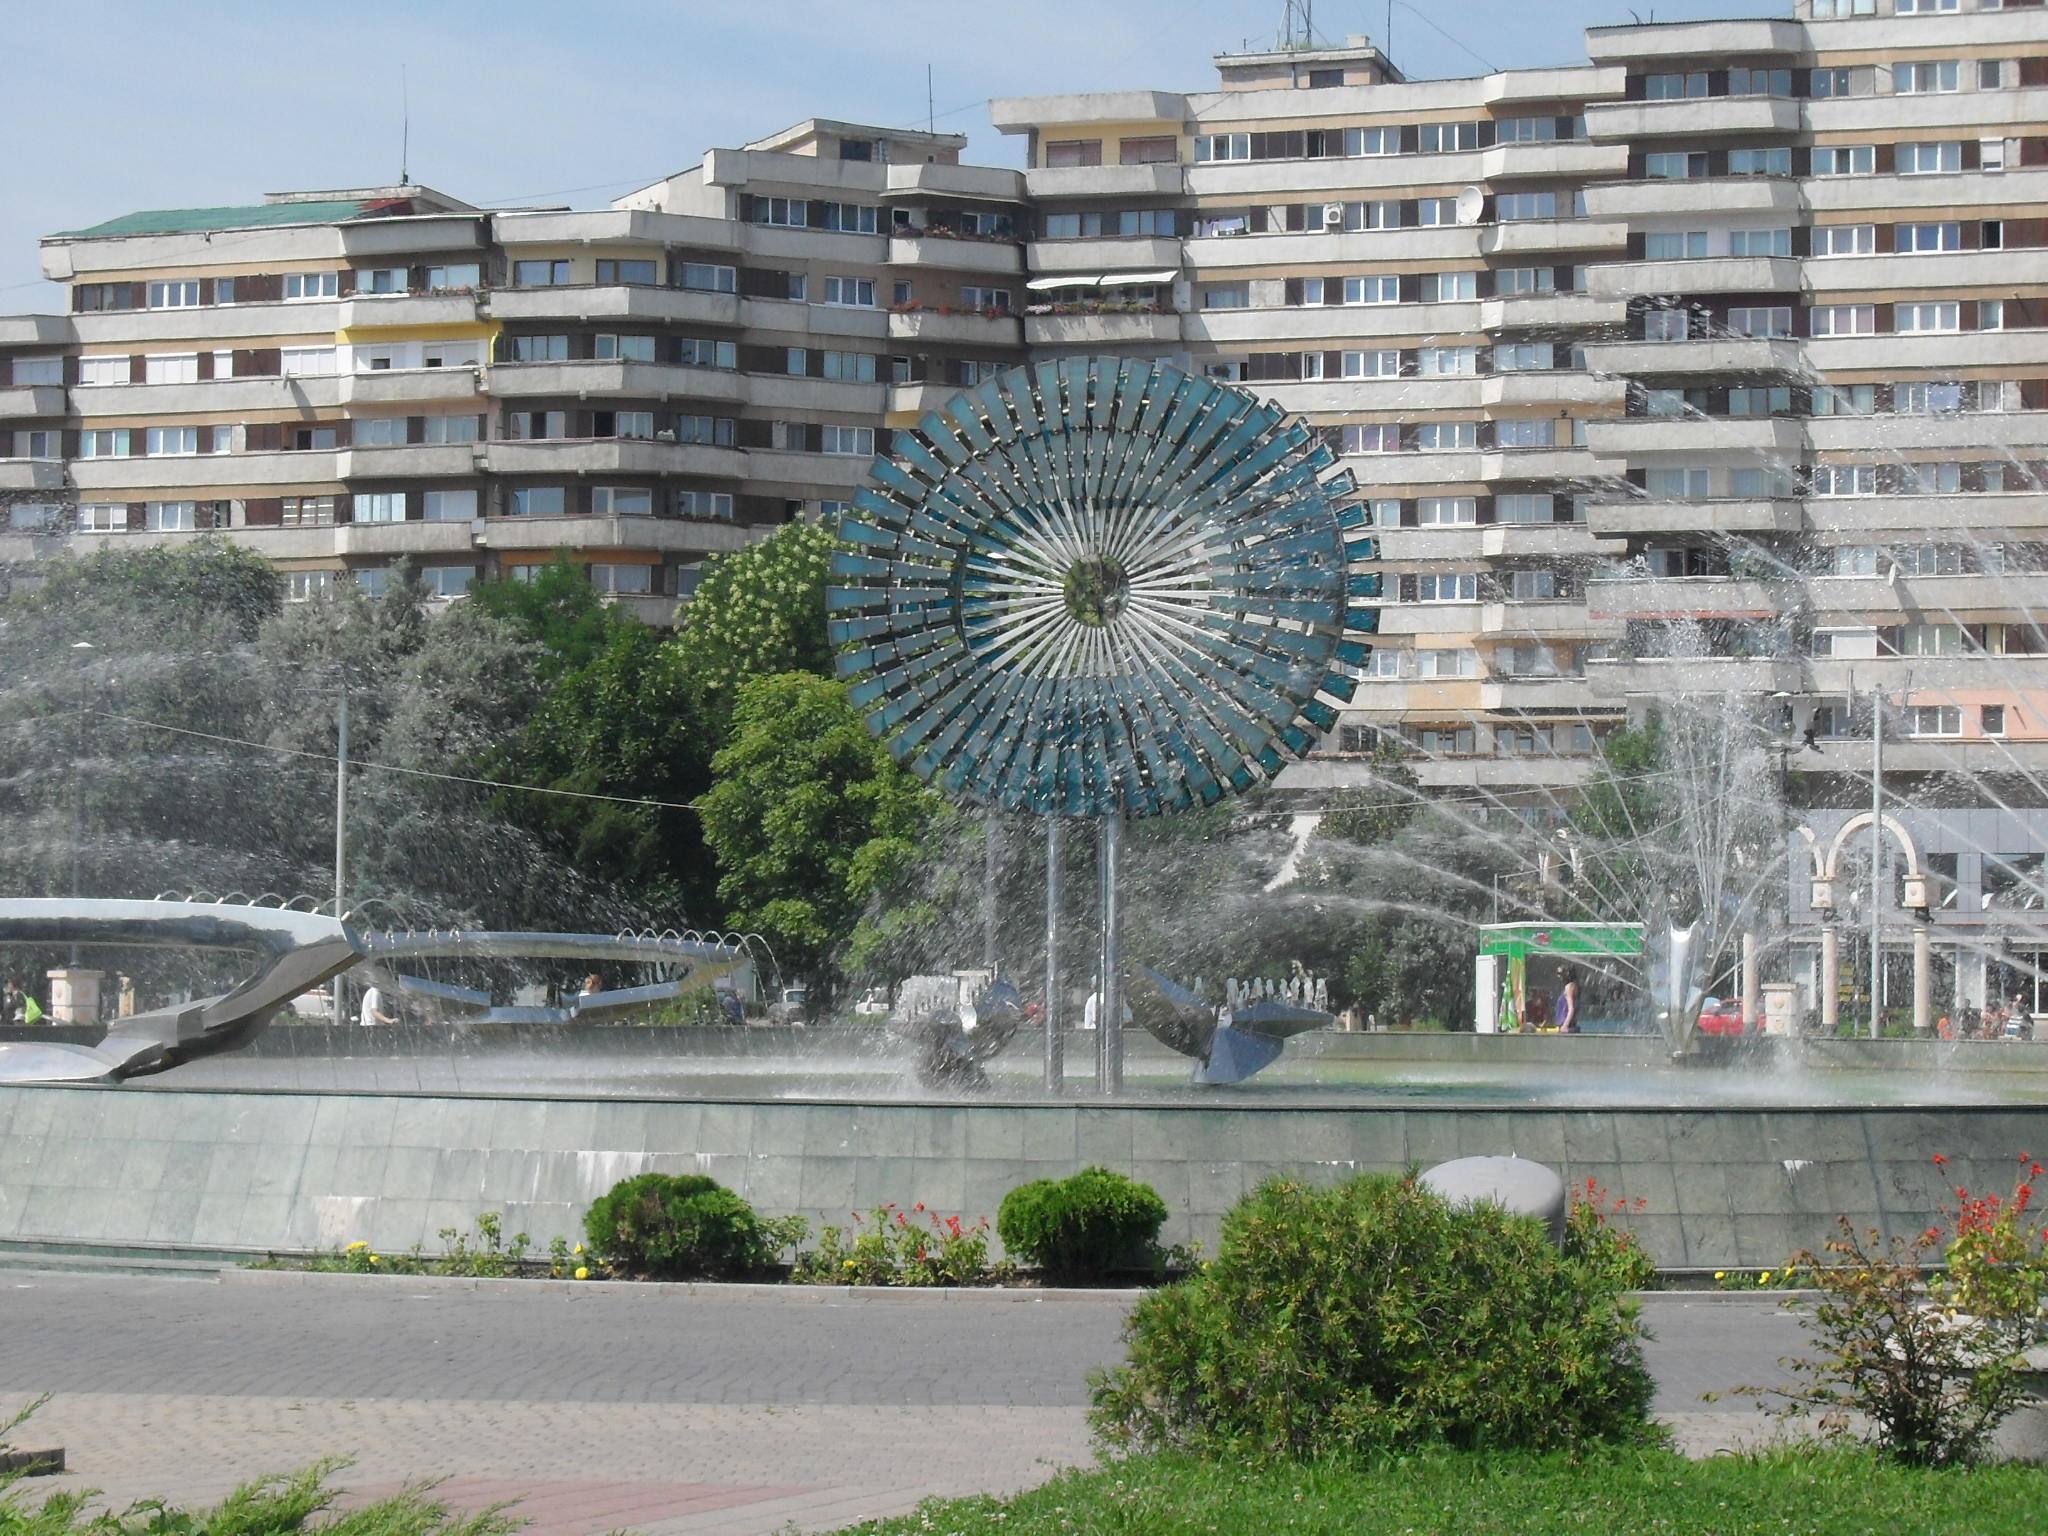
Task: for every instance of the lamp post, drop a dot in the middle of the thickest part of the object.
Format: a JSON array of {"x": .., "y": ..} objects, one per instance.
[
  {"x": 1877, "y": 891},
  {"x": 81, "y": 653},
  {"x": 340, "y": 830}
]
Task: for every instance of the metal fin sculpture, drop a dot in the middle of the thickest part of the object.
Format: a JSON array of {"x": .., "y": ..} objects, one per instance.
[
  {"x": 953, "y": 1029},
  {"x": 1228, "y": 1045},
  {"x": 701, "y": 961},
  {"x": 295, "y": 951}
]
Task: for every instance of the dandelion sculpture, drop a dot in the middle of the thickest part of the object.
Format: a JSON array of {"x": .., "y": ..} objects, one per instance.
[{"x": 1101, "y": 588}]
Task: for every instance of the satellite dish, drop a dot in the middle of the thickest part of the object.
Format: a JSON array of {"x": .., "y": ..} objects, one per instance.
[{"x": 1471, "y": 203}]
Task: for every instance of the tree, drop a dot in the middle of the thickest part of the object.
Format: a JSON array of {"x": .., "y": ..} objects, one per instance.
[
  {"x": 808, "y": 817},
  {"x": 759, "y": 610},
  {"x": 559, "y": 611}
]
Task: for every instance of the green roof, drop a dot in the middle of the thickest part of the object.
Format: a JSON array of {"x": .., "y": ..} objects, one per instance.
[{"x": 175, "y": 221}]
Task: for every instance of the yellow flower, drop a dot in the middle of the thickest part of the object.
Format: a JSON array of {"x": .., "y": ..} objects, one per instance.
[
  {"x": 849, "y": 1263},
  {"x": 582, "y": 1273},
  {"x": 358, "y": 1243},
  {"x": 373, "y": 1258},
  {"x": 1764, "y": 1278},
  {"x": 1720, "y": 1274},
  {"x": 577, "y": 1249}
]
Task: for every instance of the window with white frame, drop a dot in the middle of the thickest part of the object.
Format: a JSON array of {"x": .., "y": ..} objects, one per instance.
[
  {"x": 1928, "y": 76},
  {"x": 380, "y": 432},
  {"x": 1454, "y": 587},
  {"x": 311, "y": 285},
  {"x": 634, "y": 424},
  {"x": 1775, "y": 161},
  {"x": 622, "y": 580},
  {"x": 454, "y": 276},
  {"x": 1447, "y": 511},
  {"x": 706, "y": 277},
  {"x": 450, "y": 429},
  {"x": 1927, "y": 399},
  {"x": 102, "y": 517},
  {"x": 304, "y": 586},
  {"x": 1760, "y": 242},
  {"x": 381, "y": 280},
  {"x": 1677, "y": 484},
  {"x": 1843, "y": 319},
  {"x": 301, "y": 362},
  {"x": 1381, "y": 664},
  {"x": 1666, "y": 323},
  {"x": 1381, "y": 214},
  {"x": 1844, "y": 239},
  {"x": 622, "y": 501},
  {"x": 1674, "y": 244},
  {"x": 540, "y": 349},
  {"x": 170, "y": 516},
  {"x": 1372, "y": 290},
  {"x": 1523, "y": 356},
  {"x": 851, "y": 367},
  {"x": 538, "y": 501},
  {"x": 625, "y": 349},
  {"x": 373, "y": 581},
  {"x": 1844, "y": 400},
  {"x": 1843, "y": 159},
  {"x": 1447, "y": 662},
  {"x": 180, "y": 294},
  {"x": 1926, "y": 479},
  {"x": 1912, "y": 239},
  {"x": 1311, "y": 365},
  {"x": 1524, "y": 432},
  {"x": 1374, "y": 437},
  {"x": 1674, "y": 165},
  {"x": 1930, "y": 159},
  {"x": 1434, "y": 212},
  {"x": 1927, "y": 7},
  {"x": 1223, "y": 146},
  {"x": 1929, "y": 559},
  {"x": 859, "y": 441},
  {"x": 1513, "y": 280},
  {"x": 171, "y": 368},
  {"x": 1383, "y": 513},
  {"x": 1525, "y": 507},
  {"x": 1226, "y": 296},
  {"x": 1381, "y": 363},
  {"x": 1761, "y": 321},
  {"x": 307, "y": 511},
  {"x": 1836, "y": 10},
  {"x": 103, "y": 370},
  {"x": 1372, "y": 141},
  {"x": 708, "y": 505},
  {"x": 714, "y": 430},
  {"x": 995, "y": 300},
  {"x": 856, "y": 292},
  {"x": 1512, "y": 206},
  {"x": 1446, "y": 362},
  {"x": 377, "y": 507},
  {"x": 1924, "y": 318},
  {"x": 103, "y": 443},
  {"x": 448, "y": 506},
  {"x": 1853, "y": 560},
  {"x": 1447, "y": 287},
  {"x": 698, "y": 352},
  {"x": 36, "y": 443},
  {"x": 1991, "y": 154},
  {"x": 447, "y": 580},
  {"x": 1930, "y": 640},
  {"x": 1844, "y": 479},
  {"x": 1446, "y": 436},
  {"x": 447, "y": 354}
]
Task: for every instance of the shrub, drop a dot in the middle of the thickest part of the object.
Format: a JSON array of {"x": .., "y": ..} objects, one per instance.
[
  {"x": 665, "y": 1226},
  {"x": 1083, "y": 1227},
  {"x": 1591, "y": 1234},
  {"x": 1373, "y": 1316}
]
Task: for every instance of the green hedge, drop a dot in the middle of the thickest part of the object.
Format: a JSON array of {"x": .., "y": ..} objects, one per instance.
[
  {"x": 1081, "y": 1228},
  {"x": 671, "y": 1226}
]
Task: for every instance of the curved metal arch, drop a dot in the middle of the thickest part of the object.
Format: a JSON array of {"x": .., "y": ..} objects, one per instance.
[{"x": 1860, "y": 822}]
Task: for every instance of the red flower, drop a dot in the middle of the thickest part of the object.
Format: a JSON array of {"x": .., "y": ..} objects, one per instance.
[{"x": 1940, "y": 1161}]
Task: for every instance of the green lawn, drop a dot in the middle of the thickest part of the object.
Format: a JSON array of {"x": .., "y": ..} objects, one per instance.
[{"x": 1816, "y": 1493}]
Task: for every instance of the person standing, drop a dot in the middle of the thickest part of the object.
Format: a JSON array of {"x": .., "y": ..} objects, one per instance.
[
  {"x": 373, "y": 1008},
  {"x": 1568, "y": 1008},
  {"x": 12, "y": 1003}
]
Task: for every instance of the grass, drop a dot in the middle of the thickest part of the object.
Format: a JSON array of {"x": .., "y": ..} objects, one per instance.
[
  {"x": 1617, "y": 1493},
  {"x": 275, "y": 1506}
]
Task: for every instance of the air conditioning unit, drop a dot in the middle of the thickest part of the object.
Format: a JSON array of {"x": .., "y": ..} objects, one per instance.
[{"x": 1333, "y": 216}]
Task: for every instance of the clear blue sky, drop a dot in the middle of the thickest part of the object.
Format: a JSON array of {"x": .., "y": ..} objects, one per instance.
[{"x": 121, "y": 106}]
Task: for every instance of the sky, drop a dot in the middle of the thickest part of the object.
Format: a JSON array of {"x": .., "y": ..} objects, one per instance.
[{"x": 215, "y": 102}]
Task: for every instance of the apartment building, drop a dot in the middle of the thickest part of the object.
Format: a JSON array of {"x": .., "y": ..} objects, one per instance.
[
  {"x": 1715, "y": 366},
  {"x": 342, "y": 379}
]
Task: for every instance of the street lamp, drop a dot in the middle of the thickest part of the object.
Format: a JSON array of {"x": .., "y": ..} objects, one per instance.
[{"x": 81, "y": 652}]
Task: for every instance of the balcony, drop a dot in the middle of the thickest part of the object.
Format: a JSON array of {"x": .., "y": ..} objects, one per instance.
[
  {"x": 1548, "y": 311},
  {"x": 1635, "y": 519},
  {"x": 976, "y": 183},
  {"x": 837, "y": 472},
  {"x": 23, "y": 331},
  {"x": 656, "y": 305},
  {"x": 604, "y": 380},
  {"x": 1535, "y": 771},
  {"x": 1996, "y": 433},
  {"x": 315, "y": 319},
  {"x": 913, "y": 400},
  {"x": 31, "y": 474},
  {"x": 1547, "y": 237},
  {"x": 1121, "y": 253},
  {"x": 212, "y": 469},
  {"x": 1751, "y": 357},
  {"x": 1905, "y": 356},
  {"x": 1000, "y": 257},
  {"x": 409, "y": 538},
  {"x": 410, "y": 461},
  {"x": 1551, "y": 387},
  {"x": 780, "y": 392},
  {"x": 1779, "y": 437},
  {"x": 1690, "y": 40},
  {"x": 666, "y": 535},
  {"x": 1695, "y": 275},
  {"x": 1429, "y": 618},
  {"x": 1541, "y": 539},
  {"x": 613, "y": 456},
  {"x": 1690, "y": 597},
  {"x": 1146, "y": 181},
  {"x": 1978, "y": 598},
  {"x": 1549, "y": 694},
  {"x": 1558, "y": 160},
  {"x": 1561, "y": 462},
  {"x": 1710, "y": 197},
  {"x": 1108, "y": 328},
  {"x": 1364, "y": 249},
  {"x": 1698, "y": 117},
  {"x": 1844, "y": 677},
  {"x": 29, "y": 402},
  {"x": 1671, "y": 675},
  {"x": 964, "y": 327},
  {"x": 1540, "y": 619},
  {"x": 1336, "y": 323},
  {"x": 1913, "y": 273},
  {"x": 406, "y": 386},
  {"x": 407, "y": 311}
]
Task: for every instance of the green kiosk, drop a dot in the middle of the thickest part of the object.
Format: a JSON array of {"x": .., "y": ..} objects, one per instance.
[{"x": 1522, "y": 966}]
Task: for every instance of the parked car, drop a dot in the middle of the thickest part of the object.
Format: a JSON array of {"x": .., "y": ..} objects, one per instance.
[
  {"x": 873, "y": 1004},
  {"x": 791, "y": 1006},
  {"x": 1719, "y": 1018}
]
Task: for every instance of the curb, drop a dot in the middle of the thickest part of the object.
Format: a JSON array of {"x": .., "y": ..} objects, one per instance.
[{"x": 812, "y": 1295}]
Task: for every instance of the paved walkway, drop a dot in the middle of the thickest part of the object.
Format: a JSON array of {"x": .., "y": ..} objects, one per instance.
[{"x": 600, "y": 1407}]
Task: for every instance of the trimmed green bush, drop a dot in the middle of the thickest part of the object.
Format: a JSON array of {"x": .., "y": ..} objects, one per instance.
[
  {"x": 1081, "y": 1228},
  {"x": 1370, "y": 1316},
  {"x": 666, "y": 1226}
]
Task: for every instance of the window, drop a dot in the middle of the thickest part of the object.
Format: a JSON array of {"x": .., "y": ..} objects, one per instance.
[
  {"x": 308, "y": 511},
  {"x": 170, "y": 516},
  {"x": 99, "y": 297},
  {"x": 1854, "y": 560},
  {"x": 103, "y": 443},
  {"x": 1760, "y": 162},
  {"x": 1923, "y": 318},
  {"x": 311, "y": 285},
  {"x": 1226, "y": 296},
  {"x": 1445, "y": 362},
  {"x": 847, "y": 218},
  {"x": 1760, "y": 401},
  {"x": 1221, "y": 146},
  {"x": 386, "y": 280},
  {"x": 1382, "y": 364},
  {"x": 453, "y": 276},
  {"x": 540, "y": 349},
  {"x": 714, "y": 430},
  {"x": 1666, "y": 325},
  {"x": 167, "y": 368},
  {"x": 1761, "y": 321},
  {"x": 1909, "y": 239},
  {"x": 633, "y": 424},
  {"x": 39, "y": 444},
  {"x": 1383, "y": 514},
  {"x": 629, "y": 349},
  {"x": 1929, "y": 559},
  {"x": 1311, "y": 365},
  {"x": 1845, "y": 480},
  {"x": 533, "y": 426},
  {"x": 1991, "y": 314},
  {"x": 622, "y": 501},
  {"x": 1927, "y": 7},
  {"x": 1372, "y": 290},
  {"x": 1843, "y": 159},
  {"x": 1927, "y": 399},
  {"x": 1932, "y": 75},
  {"x": 713, "y": 505},
  {"x": 1844, "y": 319},
  {"x": 1462, "y": 587},
  {"x": 304, "y": 586},
  {"x": 1675, "y": 245},
  {"x": 1378, "y": 437},
  {"x": 622, "y": 579},
  {"x": 450, "y": 429},
  {"x": 850, "y": 291},
  {"x": 1674, "y": 87},
  {"x": 706, "y": 278},
  {"x": 1830, "y": 10},
  {"x": 1671, "y": 402},
  {"x": 302, "y": 362},
  {"x": 103, "y": 370},
  {"x": 380, "y": 431},
  {"x": 1076, "y": 152},
  {"x": 1445, "y": 436},
  {"x": 538, "y": 501},
  {"x": 1447, "y": 287},
  {"x": 447, "y": 580},
  {"x": 1524, "y": 432},
  {"x": 1447, "y": 511},
  {"x": 859, "y": 441},
  {"x": 1510, "y": 206},
  {"x": 1509, "y": 280},
  {"x": 1674, "y": 166},
  {"x": 1525, "y": 130},
  {"x": 1934, "y": 720},
  {"x": 1760, "y": 242},
  {"x": 1443, "y": 740},
  {"x": 995, "y": 300},
  {"x": 540, "y": 274},
  {"x": 1381, "y": 663},
  {"x": 1677, "y": 484},
  {"x": 1928, "y": 159},
  {"x": 1162, "y": 151},
  {"x": 787, "y": 212},
  {"x": 1991, "y": 154},
  {"x": 1991, "y": 719},
  {"x": 1525, "y": 508},
  {"x": 449, "y": 506},
  {"x": 1523, "y": 356},
  {"x": 174, "y": 295},
  {"x": 1377, "y": 215},
  {"x": 1845, "y": 400},
  {"x": 1844, "y": 239},
  {"x": 1759, "y": 82},
  {"x": 374, "y": 581},
  {"x": 456, "y": 354},
  {"x": 38, "y": 370},
  {"x": 1433, "y": 212},
  {"x": 1437, "y": 138},
  {"x": 1930, "y": 479},
  {"x": 102, "y": 517},
  {"x": 378, "y": 507},
  {"x": 1460, "y": 662}
]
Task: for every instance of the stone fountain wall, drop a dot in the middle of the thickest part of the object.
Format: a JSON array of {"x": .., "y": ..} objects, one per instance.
[{"x": 1721, "y": 1187}]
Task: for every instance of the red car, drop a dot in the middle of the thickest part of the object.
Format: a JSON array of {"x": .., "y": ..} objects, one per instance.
[{"x": 1719, "y": 1018}]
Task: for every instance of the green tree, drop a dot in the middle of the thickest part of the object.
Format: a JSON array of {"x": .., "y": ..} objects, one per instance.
[
  {"x": 809, "y": 817},
  {"x": 759, "y": 610},
  {"x": 559, "y": 611}
]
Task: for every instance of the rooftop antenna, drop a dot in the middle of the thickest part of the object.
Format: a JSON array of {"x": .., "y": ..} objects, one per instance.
[
  {"x": 1297, "y": 26},
  {"x": 931, "y": 122},
  {"x": 404, "y": 130}
]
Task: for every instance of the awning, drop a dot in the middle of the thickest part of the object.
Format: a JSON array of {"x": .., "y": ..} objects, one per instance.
[
  {"x": 1075, "y": 280},
  {"x": 1101, "y": 280}
]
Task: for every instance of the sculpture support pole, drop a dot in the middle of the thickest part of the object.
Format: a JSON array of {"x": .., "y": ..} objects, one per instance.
[
  {"x": 1830, "y": 979},
  {"x": 991, "y": 863},
  {"x": 1109, "y": 1012},
  {"x": 340, "y": 839},
  {"x": 1055, "y": 1056}
]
